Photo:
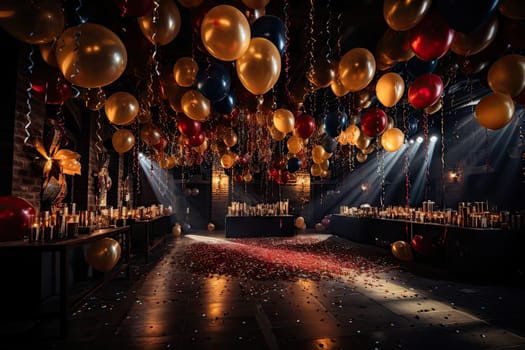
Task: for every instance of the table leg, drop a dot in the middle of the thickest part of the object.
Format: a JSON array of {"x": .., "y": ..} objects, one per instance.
[{"x": 63, "y": 294}]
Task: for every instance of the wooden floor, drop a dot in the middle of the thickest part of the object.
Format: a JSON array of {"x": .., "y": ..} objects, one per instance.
[{"x": 168, "y": 306}]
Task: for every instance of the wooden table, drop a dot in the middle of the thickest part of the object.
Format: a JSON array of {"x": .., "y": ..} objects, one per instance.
[
  {"x": 259, "y": 226},
  {"x": 32, "y": 251},
  {"x": 460, "y": 249},
  {"x": 146, "y": 235}
]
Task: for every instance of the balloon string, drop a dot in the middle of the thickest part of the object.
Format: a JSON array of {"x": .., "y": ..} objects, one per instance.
[
  {"x": 443, "y": 158},
  {"x": 487, "y": 151},
  {"x": 124, "y": 8},
  {"x": 136, "y": 169},
  {"x": 427, "y": 165},
  {"x": 286, "y": 9},
  {"x": 76, "y": 38},
  {"x": 310, "y": 45},
  {"x": 406, "y": 170},
  {"x": 29, "y": 88},
  {"x": 77, "y": 11},
  {"x": 98, "y": 143}
]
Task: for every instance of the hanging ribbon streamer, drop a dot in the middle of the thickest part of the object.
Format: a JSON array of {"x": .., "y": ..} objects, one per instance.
[
  {"x": 442, "y": 130},
  {"x": 287, "y": 24},
  {"x": 427, "y": 163},
  {"x": 406, "y": 169},
  {"x": 311, "y": 50},
  {"x": 98, "y": 134},
  {"x": 29, "y": 95}
]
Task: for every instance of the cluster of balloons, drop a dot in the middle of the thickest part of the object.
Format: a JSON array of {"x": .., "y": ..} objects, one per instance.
[{"x": 103, "y": 254}]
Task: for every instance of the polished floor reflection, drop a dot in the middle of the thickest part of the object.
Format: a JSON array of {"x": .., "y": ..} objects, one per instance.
[{"x": 179, "y": 302}]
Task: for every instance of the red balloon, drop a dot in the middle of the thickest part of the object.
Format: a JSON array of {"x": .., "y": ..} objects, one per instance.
[
  {"x": 374, "y": 122},
  {"x": 425, "y": 90},
  {"x": 48, "y": 82},
  {"x": 304, "y": 125},
  {"x": 188, "y": 127},
  {"x": 195, "y": 140},
  {"x": 423, "y": 245},
  {"x": 15, "y": 218},
  {"x": 431, "y": 38},
  {"x": 161, "y": 145}
]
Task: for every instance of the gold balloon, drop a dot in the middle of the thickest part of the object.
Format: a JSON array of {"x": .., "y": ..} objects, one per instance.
[
  {"x": 507, "y": 75},
  {"x": 514, "y": 9},
  {"x": 363, "y": 141},
  {"x": 256, "y": 4},
  {"x": 352, "y": 133},
  {"x": 121, "y": 108},
  {"x": 34, "y": 22},
  {"x": 467, "y": 44},
  {"x": 361, "y": 157},
  {"x": 185, "y": 71},
  {"x": 202, "y": 147},
  {"x": 322, "y": 73},
  {"x": 150, "y": 134},
  {"x": 195, "y": 105},
  {"x": 47, "y": 52},
  {"x": 318, "y": 154},
  {"x": 174, "y": 98},
  {"x": 402, "y": 250},
  {"x": 123, "y": 140},
  {"x": 103, "y": 254},
  {"x": 211, "y": 227},
  {"x": 392, "y": 139},
  {"x": 276, "y": 134},
  {"x": 259, "y": 67},
  {"x": 405, "y": 14},
  {"x": 90, "y": 55},
  {"x": 316, "y": 170},
  {"x": 357, "y": 68},
  {"x": 495, "y": 110},
  {"x": 434, "y": 108},
  {"x": 283, "y": 120},
  {"x": 227, "y": 160},
  {"x": 160, "y": 26},
  {"x": 230, "y": 138},
  {"x": 394, "y": 47},
  {"x": 390, "y": 88},
  {"x": 338, "y": 88},
  {"x": 176, "y": 230},
  {"x": 325, "y": 164},
  {"x": 295, "y": 144},
  {"x": 225, "y": 32}
]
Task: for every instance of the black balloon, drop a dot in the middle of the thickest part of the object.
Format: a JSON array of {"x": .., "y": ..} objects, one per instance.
[
  {"x": 225, "y": 105},
  {"x": 294, "y": 164},
  {"x": 416, "y": 67},
  {"x": 213, "y": 81},
  {"x": 271, "y": 28},
  {"x": 467, "y": 15},
  {"x": 329, "y": 144}
]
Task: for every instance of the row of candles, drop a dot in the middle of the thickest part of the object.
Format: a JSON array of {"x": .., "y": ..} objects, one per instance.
[
  {"x": 259, "y": 209},
  {"x": 469, "y": 214},
  {"x": 67, "y": 222}
]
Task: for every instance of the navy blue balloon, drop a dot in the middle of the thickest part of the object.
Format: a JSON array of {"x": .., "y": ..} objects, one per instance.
[
  {"x": 329, "y": 144},
  {"x": 412, "y": 126},
  {"x": 213, "y": 81},
  {"x": 467, "y": 15},
  {"x": 335, "y": 122},
  {"x": 294, "y": 164},
  {"x": 225, "y": 105},
  {"x": 416, "y": 67},
  {"x": 271, "y": 28}
]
